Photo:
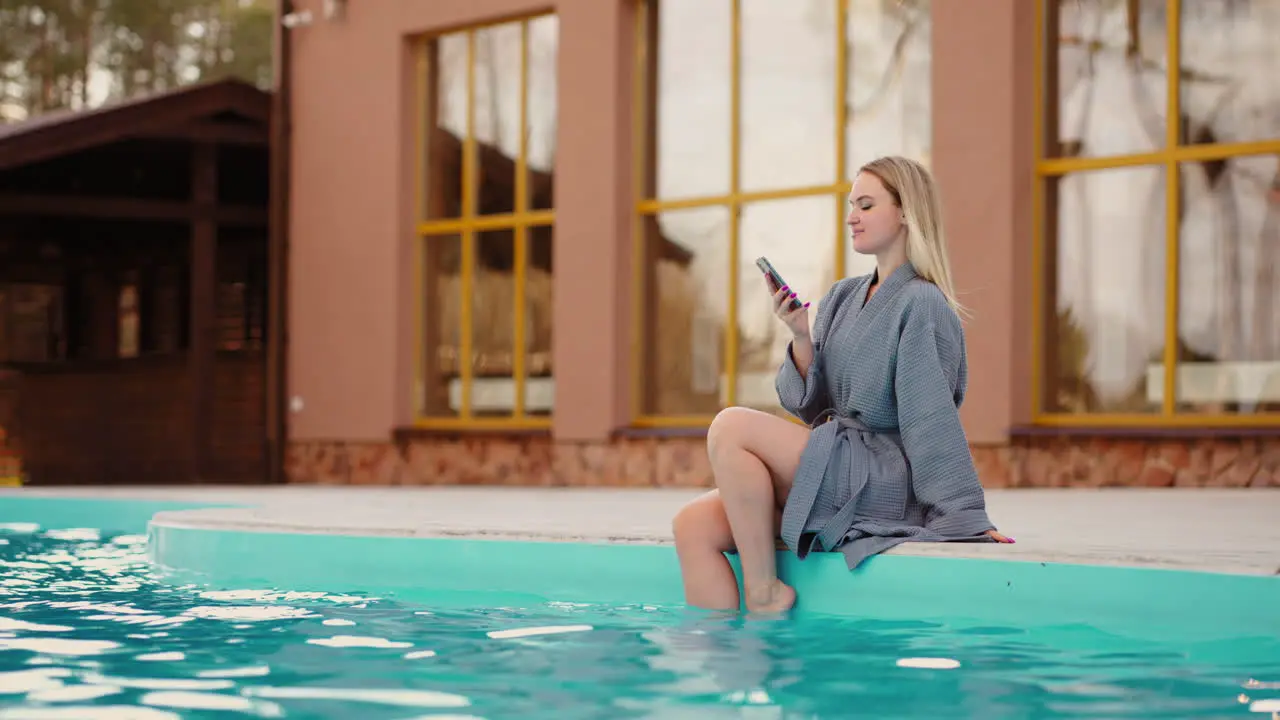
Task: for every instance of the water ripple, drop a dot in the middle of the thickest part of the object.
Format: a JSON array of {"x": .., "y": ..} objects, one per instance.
[{"x": 89, "y": 630}]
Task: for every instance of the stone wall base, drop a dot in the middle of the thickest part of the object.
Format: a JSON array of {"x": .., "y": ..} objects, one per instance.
[{"x": 536, "y": 460}]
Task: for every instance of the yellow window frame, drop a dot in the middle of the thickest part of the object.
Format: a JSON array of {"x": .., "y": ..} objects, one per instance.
[
  {"x": 734, "y": 200},
  {"x": 466, "y": 227},
  {"x": 1047, "y": 168}
]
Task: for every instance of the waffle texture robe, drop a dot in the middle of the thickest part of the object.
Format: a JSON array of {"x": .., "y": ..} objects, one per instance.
[{"x": 887, "y": 460}]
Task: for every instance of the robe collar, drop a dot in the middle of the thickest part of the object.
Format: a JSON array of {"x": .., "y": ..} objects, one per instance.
[
  {"x": 860, "y": 312},
  {"x": 905, "y": 273}
]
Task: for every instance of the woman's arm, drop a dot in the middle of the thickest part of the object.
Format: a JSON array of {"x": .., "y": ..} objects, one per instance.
[
  {"x": 802, "y": 353},
  {"x": 802, "y": 389},
  {"x": 930, "y": 386}
]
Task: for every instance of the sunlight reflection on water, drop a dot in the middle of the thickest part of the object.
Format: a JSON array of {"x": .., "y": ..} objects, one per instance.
[{"x": 88, "y": 629}]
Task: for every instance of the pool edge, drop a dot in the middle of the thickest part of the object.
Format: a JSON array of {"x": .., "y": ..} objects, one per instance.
[{"x": 1195, "y": 605}]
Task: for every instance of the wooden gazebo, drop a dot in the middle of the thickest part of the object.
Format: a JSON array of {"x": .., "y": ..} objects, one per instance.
[{"x": 133, "y": 289}]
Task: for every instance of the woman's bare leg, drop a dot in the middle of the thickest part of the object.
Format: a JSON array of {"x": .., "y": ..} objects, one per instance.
[
  {"x": 702, "y": 538},
  {"x": 754, "y": 457}
]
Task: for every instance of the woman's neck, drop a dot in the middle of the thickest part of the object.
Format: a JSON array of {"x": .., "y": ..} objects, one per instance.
[{"x": 888, "y": 262}]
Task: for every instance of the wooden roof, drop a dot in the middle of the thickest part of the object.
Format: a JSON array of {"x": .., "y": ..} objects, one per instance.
[
  {"x": 179, "y": 111},
  {"x": 233, "y": 108}
]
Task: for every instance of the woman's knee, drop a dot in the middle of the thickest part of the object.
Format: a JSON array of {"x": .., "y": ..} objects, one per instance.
[
  {"x": 702, "y": 522},
  {"x": 727, "y": 429},
  {"x": 776, "y": 442}
]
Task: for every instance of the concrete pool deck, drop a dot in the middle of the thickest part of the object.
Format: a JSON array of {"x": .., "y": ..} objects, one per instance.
[{"x": 1225, "y": 531}]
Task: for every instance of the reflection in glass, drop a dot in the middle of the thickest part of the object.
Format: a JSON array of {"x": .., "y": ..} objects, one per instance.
[
  {"x": 1107, "y": 296},
  {"x": 1230, "y": 71},
  {"x": 493, "y": 329},
  {"x": 511, "y": 64},
  {"x": 788, "y": 115},
  {"x": 689, "y": 68},
  {"x": 447, "y": 83},
  {"x": 442, "y": 339},
  {"x": 788, "y": 70},
  {"x": 1229, "y": 302},
  {"x": 685, "y": 306},
  {"x": 788, "y": 119},
  {"x": 889, "y": 94},
  {"x": 1111, "y": 81},
  {"x": 496, "y": 105},
  {"x": 541, "y": 113},
  {"x": 539, "y": 389},
  {"x": 493, "y": 293},
  {"x": 803, "y": 254}
]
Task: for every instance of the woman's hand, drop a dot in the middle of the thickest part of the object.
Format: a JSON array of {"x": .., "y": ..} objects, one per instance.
[
  {"x": 796, "y": 320},
  {"x": 998, "y": 537}
]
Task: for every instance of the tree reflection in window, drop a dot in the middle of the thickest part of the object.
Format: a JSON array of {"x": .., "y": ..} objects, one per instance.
[{"x": 1113, "y": 93}]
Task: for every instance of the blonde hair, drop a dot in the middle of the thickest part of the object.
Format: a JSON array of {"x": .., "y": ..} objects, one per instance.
[{"x": 914, "y": 191}]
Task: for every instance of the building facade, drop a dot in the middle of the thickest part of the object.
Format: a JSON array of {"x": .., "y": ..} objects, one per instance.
[
  {"x": 523, "y": 234},
  {"x": 134, "y": 304}
]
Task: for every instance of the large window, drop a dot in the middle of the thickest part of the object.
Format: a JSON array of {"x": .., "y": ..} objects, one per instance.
[
  {"x": 486, "y": 225},
  {"x": 753, "y": 116},
  {"x": 1158, "y": 212}
]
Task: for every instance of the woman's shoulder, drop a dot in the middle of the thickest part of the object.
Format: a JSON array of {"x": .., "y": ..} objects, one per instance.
[{"x": 924, "y": 302}]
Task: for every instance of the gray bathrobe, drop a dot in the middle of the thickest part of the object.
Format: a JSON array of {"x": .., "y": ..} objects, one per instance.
[{"x": 887, "y": 460}]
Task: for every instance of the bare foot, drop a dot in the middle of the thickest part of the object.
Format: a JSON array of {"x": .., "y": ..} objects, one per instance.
[{"x": 776, "y": 598}]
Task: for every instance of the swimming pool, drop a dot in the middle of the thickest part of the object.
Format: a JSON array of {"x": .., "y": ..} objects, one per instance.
[{"x": 98, "y": 612}]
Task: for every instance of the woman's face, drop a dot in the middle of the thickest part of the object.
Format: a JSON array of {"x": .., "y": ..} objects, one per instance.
[{"x": 874, "y": 221}]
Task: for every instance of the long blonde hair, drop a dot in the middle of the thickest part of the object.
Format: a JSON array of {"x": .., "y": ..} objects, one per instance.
[{"x": 913, "y": 190}]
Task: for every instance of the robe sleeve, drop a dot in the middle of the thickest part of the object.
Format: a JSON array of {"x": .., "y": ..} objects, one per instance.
[
  {"x": 806, "y": 396},
  {"x": 930, "y": 386}
]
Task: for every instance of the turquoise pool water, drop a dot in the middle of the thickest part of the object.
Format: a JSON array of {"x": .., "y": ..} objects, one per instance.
[{"x": 88, "y": 626}]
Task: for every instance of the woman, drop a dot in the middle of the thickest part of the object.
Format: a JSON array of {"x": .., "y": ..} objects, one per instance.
[{"x": 880, "y": 381}]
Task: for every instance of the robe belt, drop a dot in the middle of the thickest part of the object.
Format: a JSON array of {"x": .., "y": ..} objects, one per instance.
[{"x": 844, "y": 431}]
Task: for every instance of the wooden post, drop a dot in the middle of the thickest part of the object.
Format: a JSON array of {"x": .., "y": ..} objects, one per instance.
[
  {"x": 277, "y": 386},
  {"x": 204, "y": 276}
]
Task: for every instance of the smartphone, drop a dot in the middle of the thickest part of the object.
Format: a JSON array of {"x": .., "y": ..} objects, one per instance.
[{"x": 774, "y": 279}]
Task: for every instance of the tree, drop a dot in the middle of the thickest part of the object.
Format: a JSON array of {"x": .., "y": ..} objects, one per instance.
[{"x": 57, "y": 54}]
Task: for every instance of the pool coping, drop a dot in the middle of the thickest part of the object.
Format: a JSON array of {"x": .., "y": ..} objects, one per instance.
[
  {"x": 509, "y": 547},
  {"x": 1139, "y": 528}
]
